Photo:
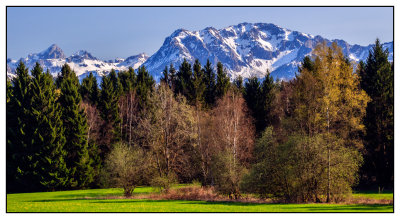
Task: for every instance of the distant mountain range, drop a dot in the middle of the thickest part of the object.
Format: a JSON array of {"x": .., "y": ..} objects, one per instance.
[{"x": 245, "y": 49}]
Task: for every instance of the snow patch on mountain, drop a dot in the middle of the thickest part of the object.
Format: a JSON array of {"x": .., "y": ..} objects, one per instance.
[
  {"x": 246, "y": 49},
  {"x": 82, "y": 62}
]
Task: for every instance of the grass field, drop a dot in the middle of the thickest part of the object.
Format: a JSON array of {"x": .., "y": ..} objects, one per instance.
[
  {"x": 93, "y": 201},
  {"x": 373, "y": 195}
]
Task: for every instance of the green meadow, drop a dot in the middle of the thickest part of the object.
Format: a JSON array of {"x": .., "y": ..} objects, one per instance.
[{"x": 101, "y": 200}]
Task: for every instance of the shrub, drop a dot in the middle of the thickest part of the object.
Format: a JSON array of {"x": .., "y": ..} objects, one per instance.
[
  {"x": 227, "y": 174},
  {"x": 297, "y": 170},
  {"x": 126, "y": 167},
  {"x": 163, "y": 183}
]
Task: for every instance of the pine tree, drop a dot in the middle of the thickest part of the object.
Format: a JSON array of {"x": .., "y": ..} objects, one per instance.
[
  {"x": 209, "y": 81},
  {"x": 109, "y": 112},
  {"x": 66, "y": 72},
  {"x": 184, "y": 76},
  {"x": 117, "y": 86},
  {"x": 267, "y": 98},
  {"x": 197, "y": 91},
  {"x": 127, "y": 80},
  {"x": 165, "y": 77},
  {"x": 47, "y": 168},
  {"x": 86, "y": 89},
  {"x": 222, "y": 81},
  {"x": 172, "y": 77},
  {"x": 10, "y": 164},
  {"x": 259, "y": 97},
  {"x": 74, "y": 121},
  {"x": 17, "y": 126},
  {"x": 145, "y": 84},
  {"x": 253, "y": 97},
  {"x": 377, "y": 79},
  {"x": 9, "y": 91},
  {"x": 94, "y": 92},
  {"x": 238, "y": 82}
]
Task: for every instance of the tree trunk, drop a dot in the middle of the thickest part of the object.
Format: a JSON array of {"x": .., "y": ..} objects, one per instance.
[{"x": 329, "y": 161}]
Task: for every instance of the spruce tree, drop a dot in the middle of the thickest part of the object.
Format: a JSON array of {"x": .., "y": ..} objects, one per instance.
[
  {"x": 10, "y": 164},
  {"x": 222, "y": 81},
  {"x": 8, "y": 91},
  {"x": 165, "y": 76},
  {"x": 259, "y": 97},
  {"x": 47, "y": 169},
  {"x": 132, "y": 77},
  {"x": 253, "y": 97},
  {"x": 74, "y": 120},
  {"x": 209, "y": 80},
  {"x": 198, "y": 85},
  {"x": 109, "y": 112},
  {"x": 377, "y": 79},
  {"x": 145, "y": 84},
  {"x": 127, "y": 80},
  {"x": 117, "y": 86},
  {"x": 94, "y": 92},
  {"x": 267, "y": 99},
  {"x": 86, "y": 88},
  {"x": 238, "y": 82},
  {"x": 66, "y": 72},
  {"x": 184, "y": 76},
  {"x": 18, "y": 109},
  {"x": 172, "y": 77}
]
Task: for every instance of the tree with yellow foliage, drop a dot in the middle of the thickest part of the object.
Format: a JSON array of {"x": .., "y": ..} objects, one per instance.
[{"x": 330, "y": 101}]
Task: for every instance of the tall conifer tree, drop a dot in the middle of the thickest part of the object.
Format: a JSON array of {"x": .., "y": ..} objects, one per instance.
[
  {"x": 238, "y": 82},
  {"x": 377, "y": 79},
  {"x": 109, "y": 112},
  {"x": 198, "y": 85},
  {"x": 86, "y": 89},
  {"x": 17, "y": 127},
  {"x": 66, "y": 72},
  {"x": 267, "y": 99},
  {"x": 75, "y": 124},
  {"x": 165, "y": 76},
  {"x": 145, "y": 84},
  {"x": 172, "y": 77},
  {"x": 184, "y": 82},
  {"x": 222, "y": 81},
  {"x": 253, "y": 97},
  {"x": 47, "y": 167},
  {"x": 209, "y": 80},
  {"x": 117, "y": 86},
  {"x": 127, "y": 80}
]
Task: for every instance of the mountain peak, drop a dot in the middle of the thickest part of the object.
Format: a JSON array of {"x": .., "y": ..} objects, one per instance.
[
  {"x": 246, "y": 49},
  {"x": 80, "y": 55},
  {"x": 178, "y": 32},
  {"x": 143, "y": 55},
  {"x": 53, "y": 52}
]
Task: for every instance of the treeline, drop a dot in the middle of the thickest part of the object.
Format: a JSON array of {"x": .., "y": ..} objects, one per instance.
[{"x": 310, "y": 139}]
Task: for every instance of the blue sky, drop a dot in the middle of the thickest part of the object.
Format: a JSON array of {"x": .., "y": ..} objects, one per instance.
[{"x": 111, "y": 32}]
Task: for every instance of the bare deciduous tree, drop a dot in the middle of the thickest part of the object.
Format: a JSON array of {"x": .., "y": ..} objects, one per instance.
[
  {"x": 168, "y": 129},
  {"x": 234, "y": 137},
  {"x": 93, "y": 119},
  {"x": 129, "y": 112}
]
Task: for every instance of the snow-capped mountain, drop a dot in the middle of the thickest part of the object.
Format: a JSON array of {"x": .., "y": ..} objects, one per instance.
[
  {"x": 82, "y": 62},
  {"x": 134, "y": 61},
  {"x": 247, "y": 49}
]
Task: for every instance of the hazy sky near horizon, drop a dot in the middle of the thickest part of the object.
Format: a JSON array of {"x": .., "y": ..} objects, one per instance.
[{"x": 111, "y": 32}]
